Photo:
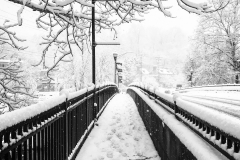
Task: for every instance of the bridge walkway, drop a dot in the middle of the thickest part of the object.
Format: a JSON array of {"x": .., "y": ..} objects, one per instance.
[{"x": 119, "y": 134}]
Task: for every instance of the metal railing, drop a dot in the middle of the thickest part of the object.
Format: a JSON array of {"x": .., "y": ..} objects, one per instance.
[
  {"x": 55, "y": 130},
  {"x": 223, "y": 141},
  {"x": 167, "y": 144}
]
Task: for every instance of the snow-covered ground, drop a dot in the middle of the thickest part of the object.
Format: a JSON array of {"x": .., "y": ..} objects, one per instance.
[{"x": 120, "y": 134}]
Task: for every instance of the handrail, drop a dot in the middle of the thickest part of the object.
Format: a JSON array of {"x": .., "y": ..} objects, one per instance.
[
  {"x": 227, "y": 142},
  {"x": 55, "y": 129}
]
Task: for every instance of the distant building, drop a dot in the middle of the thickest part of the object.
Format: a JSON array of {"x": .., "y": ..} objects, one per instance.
[{"x": 4, "y": 63}]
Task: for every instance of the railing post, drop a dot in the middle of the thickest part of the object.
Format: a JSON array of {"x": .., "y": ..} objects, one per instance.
[
  {"x": 97, "y": 100},
  {"x": 175, "y": 104},
  {"x": 94, "y": 104},
  {"x": 175, "y": 109},
  {"x": 66, "y": 129},
  {"x": 86, "y": 106}
]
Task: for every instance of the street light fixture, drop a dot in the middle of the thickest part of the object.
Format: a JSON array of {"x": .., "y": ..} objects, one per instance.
[{"x": 115, "y": 68}]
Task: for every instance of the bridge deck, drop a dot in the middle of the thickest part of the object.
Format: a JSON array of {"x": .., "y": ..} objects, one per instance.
[{"x": 119, "y": 134}]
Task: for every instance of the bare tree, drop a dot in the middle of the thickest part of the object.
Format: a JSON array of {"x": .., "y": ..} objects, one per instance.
[
  {"x": 104, "y": 69},
  {"x": 131, "y": 70},
  {"x": 14, "y": 91},
  {"x": 68, "y": 22},
  {"x": 216, "y": 49}
]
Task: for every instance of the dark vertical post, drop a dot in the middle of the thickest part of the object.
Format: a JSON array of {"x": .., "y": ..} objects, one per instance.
[
  {"x": 191, "y": 79},
  {"x": 115, "y": 68},
  {"x": 118, "y": 80},
  {"x": 236, "y": 79},
  {"x": 115, "y": 72},
  {"x": 93, "y": 43},
  {"x": 94, "y": 103},
  {"x": 66, "y": 130}
]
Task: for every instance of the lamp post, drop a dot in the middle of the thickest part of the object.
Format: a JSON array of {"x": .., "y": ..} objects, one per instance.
[
  {"x": 115, "y": 68},
  {"x": 94, "y": 43}
]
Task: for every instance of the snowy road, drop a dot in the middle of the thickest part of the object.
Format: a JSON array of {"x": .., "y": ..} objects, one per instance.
[{"x": 120, "y": 134}]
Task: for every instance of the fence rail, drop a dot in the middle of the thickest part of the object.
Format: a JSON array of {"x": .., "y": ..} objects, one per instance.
[
  {"x": 223, "y": 140},
  {"x": 167, "y": 144},
  {"x": 55, "y": 130}
]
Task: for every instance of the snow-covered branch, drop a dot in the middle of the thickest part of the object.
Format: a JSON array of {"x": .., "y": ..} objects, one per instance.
[{"x": 73, "y": 17}]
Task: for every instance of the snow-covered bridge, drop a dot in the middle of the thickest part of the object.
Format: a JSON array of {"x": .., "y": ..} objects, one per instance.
[{"x": 100, "y": 123}]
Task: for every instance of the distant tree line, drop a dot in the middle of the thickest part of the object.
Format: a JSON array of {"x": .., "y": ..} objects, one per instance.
[{"x": 215, "y": 56}]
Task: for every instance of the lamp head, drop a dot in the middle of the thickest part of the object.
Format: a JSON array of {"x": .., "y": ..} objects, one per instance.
[
  {"x": 115, "y": 55},
  {"x": 191, "y": 70}
]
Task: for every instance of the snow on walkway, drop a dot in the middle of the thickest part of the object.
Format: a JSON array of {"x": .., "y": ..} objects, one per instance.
[{"x": 121, "y": 134}]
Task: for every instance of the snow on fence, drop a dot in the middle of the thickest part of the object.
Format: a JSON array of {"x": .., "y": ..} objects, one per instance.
[
  {"x": 222, "y": 87},
  {"x": 217, "y": 126},
  {"x": 55, "y": 129}
]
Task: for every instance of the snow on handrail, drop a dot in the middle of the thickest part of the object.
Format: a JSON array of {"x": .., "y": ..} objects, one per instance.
[
  {"x": 222, "y": 87},
  {"x": 154, "y": 90},
  {"x": 198, "y": 147},
  {"x": 213, "y": 124},
  {"x": 53, "y": 119},
  {"x": 222, "y": 121},
  {"x": 11, "y": 118}
]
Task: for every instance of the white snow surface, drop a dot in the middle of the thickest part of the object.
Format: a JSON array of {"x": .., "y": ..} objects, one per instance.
[
  {"x": 78, "y": 93},
  {"x": 226, "y": 87},
  {"x": 161, "y": 93},
  {"x": 200, "y": 148},
  {"x": 223, "y": 95},
  {"x": 223, "y": 121},
  {"x": 119, "y": 134}
]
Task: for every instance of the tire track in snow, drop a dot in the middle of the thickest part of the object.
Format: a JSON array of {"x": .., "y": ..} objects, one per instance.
[{"x": 120, "y": 135}]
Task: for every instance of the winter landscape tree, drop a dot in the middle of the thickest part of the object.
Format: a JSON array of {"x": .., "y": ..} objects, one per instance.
[
  {"x": 131, "y": 70},
  {"x": 104, "y": 69},
  {"x": 15, "y": 88},
  {"x": 215, "y": 55},
  {"x": 68, "y": 22}
]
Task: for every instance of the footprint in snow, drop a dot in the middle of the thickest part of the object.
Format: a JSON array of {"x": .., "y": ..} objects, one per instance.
[
  {"x": 110, "y": 134},
  {"x": 127, "y": 132},
  {"x": 104, "y": 150},
  {"x": 112, "y": 124},
  {"x": 124, "y": 154},
  {"x": 119, "y": 150},
  {"x": 115, "y": 145},
  {"x": 119, "y": 135},
  {"x": 109, "y": 137},
  {"x": 100, "y": 158},
  {"x": 139, "y": 128},
  {"x": 113, "y": 130},
  {"x": 136, "y": 138},
  {"x": 118, "y": 119},
  {"x": 120, "y": 126},
  {"x": 110, "y": 154},
  {"x": 134, "y": 127}
]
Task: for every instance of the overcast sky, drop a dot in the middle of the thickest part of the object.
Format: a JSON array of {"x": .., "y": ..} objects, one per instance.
[{"x": 156, "y": 36}]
